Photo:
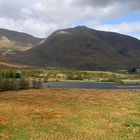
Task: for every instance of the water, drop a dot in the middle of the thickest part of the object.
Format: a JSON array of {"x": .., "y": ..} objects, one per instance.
[{"x": 90, "y": 85}]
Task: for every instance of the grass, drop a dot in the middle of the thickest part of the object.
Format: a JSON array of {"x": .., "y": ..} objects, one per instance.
[
  {"x": 132, "y": 123},
  {"x": 70, "y": 114},
  {"x": 7, "y": 46}
]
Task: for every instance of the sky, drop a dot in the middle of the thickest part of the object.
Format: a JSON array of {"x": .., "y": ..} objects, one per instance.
[{"x": 42, "y": 17}]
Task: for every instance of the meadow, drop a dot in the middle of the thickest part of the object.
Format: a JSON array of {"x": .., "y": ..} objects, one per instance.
[{"x": 70, "y": 114}]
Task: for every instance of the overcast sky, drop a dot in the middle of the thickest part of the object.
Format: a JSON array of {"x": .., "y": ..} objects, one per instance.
[{"x": 42, "y": 17}]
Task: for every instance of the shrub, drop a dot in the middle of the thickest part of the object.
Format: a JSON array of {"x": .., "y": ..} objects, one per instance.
[
  {"x": 23, "y": 84},
  {"x": 13, "y": 84},
  {"x": 37, "y": 84},
  {"x": 74, "y": 75},
  {"x": 113, "y": 79}
]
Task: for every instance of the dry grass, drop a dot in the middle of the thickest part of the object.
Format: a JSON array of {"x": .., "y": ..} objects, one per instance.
[
  {"x": 70, "y": 114},
  {"x": 9, "y": 45}
]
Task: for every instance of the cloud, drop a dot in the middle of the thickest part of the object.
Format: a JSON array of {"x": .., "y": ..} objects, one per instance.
[
  {"x": 105, "y": 3},
  {"x": 107, "y": 8},
  {"x": 42, "y": 17},
  {"x": 132, "y": 28}
]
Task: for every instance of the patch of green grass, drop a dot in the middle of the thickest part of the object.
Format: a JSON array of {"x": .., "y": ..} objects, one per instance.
[
  {"x": 20, "y": 134},
  {"x": 132, "y": 123},
  {"x": 3, "y": 128}
]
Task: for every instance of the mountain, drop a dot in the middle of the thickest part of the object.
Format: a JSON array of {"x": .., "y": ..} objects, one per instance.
[
  {"x": 13, "y": 42},
  {"x": 84, "y": 48}
]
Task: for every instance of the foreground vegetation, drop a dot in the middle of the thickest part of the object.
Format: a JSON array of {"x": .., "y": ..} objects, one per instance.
[{"x": 70, "y": 114}]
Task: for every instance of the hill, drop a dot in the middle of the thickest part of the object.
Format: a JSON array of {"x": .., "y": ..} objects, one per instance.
[
  {"x": 84, "y": 48},
  {"x": 13, "y": 42}
]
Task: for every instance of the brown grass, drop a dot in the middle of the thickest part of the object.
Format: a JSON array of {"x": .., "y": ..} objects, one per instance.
[{"x": 69, "y": 114}]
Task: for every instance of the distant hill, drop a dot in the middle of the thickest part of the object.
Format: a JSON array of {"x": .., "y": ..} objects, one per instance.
[
  {"x": 12, "y": 42},
  {"x": 19, "y": 37},
  {"x": 84, "y": 48}
]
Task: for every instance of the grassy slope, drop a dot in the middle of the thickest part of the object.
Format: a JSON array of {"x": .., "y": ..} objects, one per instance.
[
  {"x": 7, "y": 46},
  {"x": 70, "y": 114}
]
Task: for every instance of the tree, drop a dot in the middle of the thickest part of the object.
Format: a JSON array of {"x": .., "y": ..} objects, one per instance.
[{"x": 132, "y": 70}]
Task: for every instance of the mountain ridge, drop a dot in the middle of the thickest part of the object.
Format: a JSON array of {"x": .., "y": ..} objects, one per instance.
[
  {"x": 19, "y": 36},
  {"x": 84, "y": 48}
]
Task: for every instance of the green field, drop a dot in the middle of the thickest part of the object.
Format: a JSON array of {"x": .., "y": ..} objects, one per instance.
[{"x": 70, "y": 114}]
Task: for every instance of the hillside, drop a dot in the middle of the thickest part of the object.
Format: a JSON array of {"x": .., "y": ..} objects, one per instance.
[
  {"x": 84, "y": 48},
  {"x": 12, "y": 42}
]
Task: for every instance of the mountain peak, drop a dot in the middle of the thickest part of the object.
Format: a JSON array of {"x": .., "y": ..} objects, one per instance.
[{"x": 81, "y": 27}]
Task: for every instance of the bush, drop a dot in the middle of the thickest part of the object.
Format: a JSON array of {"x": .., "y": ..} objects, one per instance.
[
  {"x": 37, "y": 84},
  {"x": 113, "y": 79},
  {"x": 74, "y": 75},
  {"x": 13, "y": 84},
  {"x": 132, "y": 71},
  {"x": 23, "y": 84}
]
